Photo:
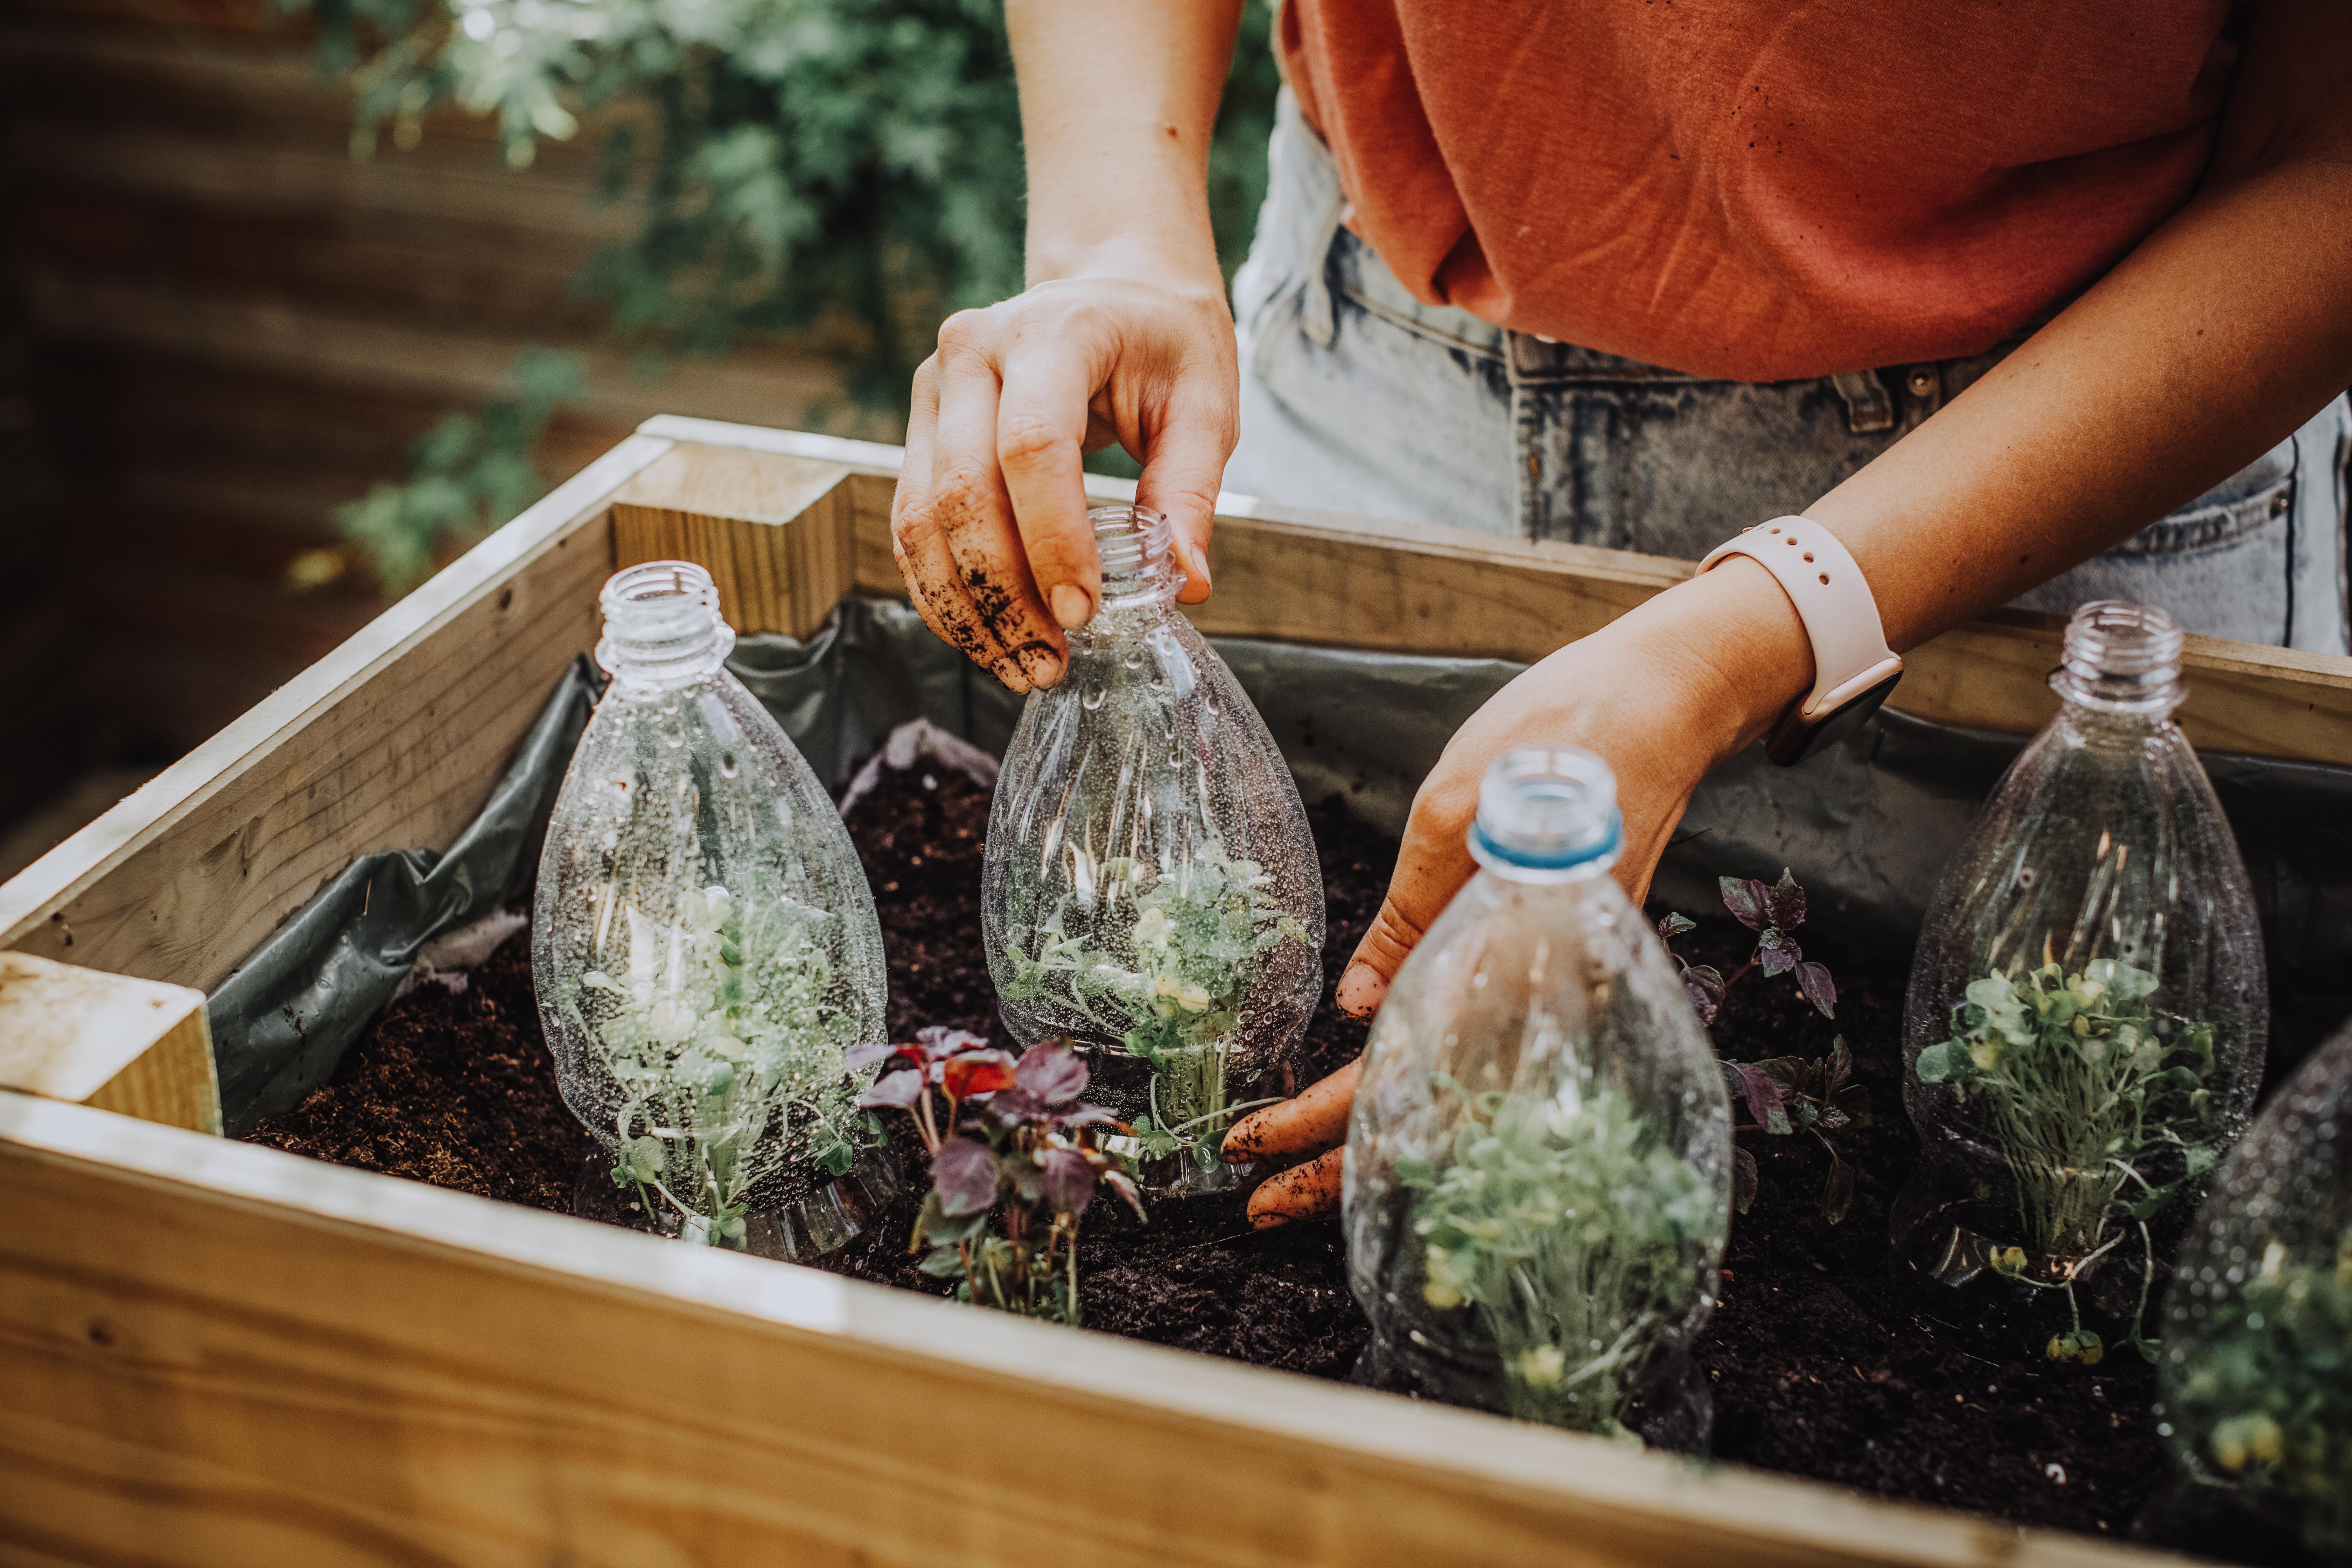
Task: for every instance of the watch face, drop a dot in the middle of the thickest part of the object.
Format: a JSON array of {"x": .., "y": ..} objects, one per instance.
[{"x": 1792, "y": 739}]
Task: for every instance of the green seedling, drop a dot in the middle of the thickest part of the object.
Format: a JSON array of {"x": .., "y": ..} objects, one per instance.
[
  {"x": 2272, "y": 1394},
  {"x": 2090, "y": 1095},
  {"x": 730, "y": 1058},
  {"x": 1573, "y": 1234},
  {"x": 1172, "y": 992}
]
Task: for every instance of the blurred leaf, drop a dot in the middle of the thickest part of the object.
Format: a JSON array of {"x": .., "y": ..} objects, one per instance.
[
  {"x": 1744, "y": 1178},
  {"x": 1813, "y": 979},
  {"x": 1763, "y": 1098},
  {"x": 1837, "y": 1192},
  {"x": 851, "y": 166},
  {"x": 1747, "y": 901}
]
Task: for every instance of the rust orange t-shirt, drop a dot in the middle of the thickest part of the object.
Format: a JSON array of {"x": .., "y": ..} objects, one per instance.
[{"x": 1760, "y": 189}]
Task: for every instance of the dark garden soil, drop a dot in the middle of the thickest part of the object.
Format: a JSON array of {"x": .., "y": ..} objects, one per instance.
[{"x": 1824, "y": 1361}]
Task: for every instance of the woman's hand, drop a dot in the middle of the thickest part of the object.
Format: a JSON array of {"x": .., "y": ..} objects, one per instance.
[
  {"x": 988, "y": 525},
  {"x": 1123, "y": 335},
  {"x": 1661, "y": 695}
]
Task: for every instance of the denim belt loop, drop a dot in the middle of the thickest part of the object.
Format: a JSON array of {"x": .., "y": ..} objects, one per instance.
[
  {"x": 1867, "y": 407},
  {"x": 1314, "y": 314}
]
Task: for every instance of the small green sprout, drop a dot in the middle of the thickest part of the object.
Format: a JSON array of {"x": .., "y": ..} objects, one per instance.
[
  {"x": 1574, "y": 1236},
  {"x": 2092, "y": 1097},
  {"x": 2269, "y": 1388},
  {"x": 1172, "y": 993},
  {"x": 729, "y": 1056}
]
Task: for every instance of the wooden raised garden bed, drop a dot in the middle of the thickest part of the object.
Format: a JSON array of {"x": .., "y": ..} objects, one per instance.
[{"x": 218, "y": 1354}]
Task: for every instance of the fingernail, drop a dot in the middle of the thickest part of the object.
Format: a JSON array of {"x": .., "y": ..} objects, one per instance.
[
  {"x": 1072, "y": 606},
  {"x": 1268, "y": 1220},
  {"x": 1042, "y": 666},
  {"x": 1360, "y": 990},
  {"x": 1200, "y": 568}
]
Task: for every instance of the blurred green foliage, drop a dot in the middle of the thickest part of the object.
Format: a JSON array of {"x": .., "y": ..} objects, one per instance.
[{"x": 850, "y": 169}]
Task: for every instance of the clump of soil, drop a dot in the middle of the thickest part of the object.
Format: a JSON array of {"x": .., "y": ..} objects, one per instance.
[
  {"x": 452, "y": 1085},
  {"x": 1825, "y": 1360}
]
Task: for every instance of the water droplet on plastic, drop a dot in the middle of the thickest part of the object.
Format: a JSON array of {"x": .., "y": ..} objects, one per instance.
[
  {"x": 1092, "y": 698},
  {"x": 727, "y": 766},
  {"x": 1133, "y": 662},
  {"x": 673, "y": 742}
]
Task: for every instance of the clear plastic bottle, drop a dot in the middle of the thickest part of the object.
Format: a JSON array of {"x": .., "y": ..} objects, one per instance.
[
  {"x": 704, "y": 945},
  {"x": 1538, "y": 1167},
  {"x": 2256, "y": 1368},
  {"x": 2084, "y": 1029},
  {"x": 1150, "y": 889}
]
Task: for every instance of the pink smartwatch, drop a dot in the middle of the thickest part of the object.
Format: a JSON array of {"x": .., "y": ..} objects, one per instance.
[{"x": 1853, "y": 670}]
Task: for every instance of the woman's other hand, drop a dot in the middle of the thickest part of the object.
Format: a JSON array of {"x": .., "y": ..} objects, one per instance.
[{"x": 1661, "y": 694}]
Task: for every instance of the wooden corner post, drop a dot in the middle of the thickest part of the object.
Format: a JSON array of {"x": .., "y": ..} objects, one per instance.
[
  {"x": 139, "y": 1046},
  {"x": 775, "y": 532}
]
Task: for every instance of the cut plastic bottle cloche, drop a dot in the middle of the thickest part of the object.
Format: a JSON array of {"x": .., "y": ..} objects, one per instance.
[
  {"x": 1150, "y": 889},
  {"x": 705, "y": 948},
  {"x": 1537, "y": 1184},
  {"x": 2255, "y": 1369},
  {"x": 2088, "y": 1012}
]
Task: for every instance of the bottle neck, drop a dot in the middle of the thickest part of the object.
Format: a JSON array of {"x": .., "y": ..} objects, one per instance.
[
  {"x": 2121, "y": 660},
  {"x": 1548, "y": 813},
  {"x": 662, "y": 626},
  {"x": 1137, "y": 547}
]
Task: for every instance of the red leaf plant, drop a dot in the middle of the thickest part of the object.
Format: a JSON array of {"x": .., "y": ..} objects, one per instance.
[
  {"x": 1783, "y": 1095},
  {"x": 1009, "y": 1137}
]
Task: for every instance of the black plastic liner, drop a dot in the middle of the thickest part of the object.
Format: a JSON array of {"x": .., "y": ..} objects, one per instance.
[{"x": 1866, "y": 825}]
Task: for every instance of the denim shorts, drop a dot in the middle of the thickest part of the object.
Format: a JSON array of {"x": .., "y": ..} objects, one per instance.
[{"x": 1357, "y": 397}]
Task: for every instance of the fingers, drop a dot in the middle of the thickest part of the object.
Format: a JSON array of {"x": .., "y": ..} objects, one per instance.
[
  {"x": 1041, "y": 423},
  {"x": 1316, "y": 1119},
  {"x": 1432, "y": 864},
  {"x": 1302, "y": 1192},
  {"x": 1188, "y": 450},
  {"x": 974, "y": 515},
  {"x": 920, "y": 547},
  {"x": 989, "y": 524}
]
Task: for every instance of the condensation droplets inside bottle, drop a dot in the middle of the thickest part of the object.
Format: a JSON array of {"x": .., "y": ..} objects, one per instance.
[
  {"x": 705, "y": 948},
  {"x": 1150, "y": 889},
  {"x": 2087, "y": 1010},
  {"x": 2255, "y": 1372},
  {"x": 1538, "y": 1183}
]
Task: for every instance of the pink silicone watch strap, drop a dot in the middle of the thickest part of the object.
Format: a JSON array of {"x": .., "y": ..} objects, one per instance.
[{"x": 1841, "y": 615}]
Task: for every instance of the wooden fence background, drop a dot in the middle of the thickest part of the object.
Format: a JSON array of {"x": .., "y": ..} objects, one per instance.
[{"x": 217, "y": 325}]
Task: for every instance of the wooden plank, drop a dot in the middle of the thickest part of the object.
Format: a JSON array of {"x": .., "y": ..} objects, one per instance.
[
  {"x": 774, "y": 532},
  {"x": 464, "y": 184},
  {"x": 267, "y": 335},
  {"x": 393, "y": 739},
  {"x": 137, "y": 1046},
  {"x": 1290, "y": 574},
  {"x": 218, "y": 1355}
]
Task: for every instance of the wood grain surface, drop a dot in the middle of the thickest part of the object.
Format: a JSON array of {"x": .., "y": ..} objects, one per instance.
[
  {"x": 1294, "y": 576},
  {"x": 394, "y": 741},
  {"x": 221, "y": 1355},
  {"x": 774, "y": 532},
  {"x": 138, "y": 1047}
]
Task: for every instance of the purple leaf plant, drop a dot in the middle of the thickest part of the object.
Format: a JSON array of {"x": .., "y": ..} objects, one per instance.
[
  {"x": 1010, "y": 1138},
  {"x": 1783, "y": 1096}
]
